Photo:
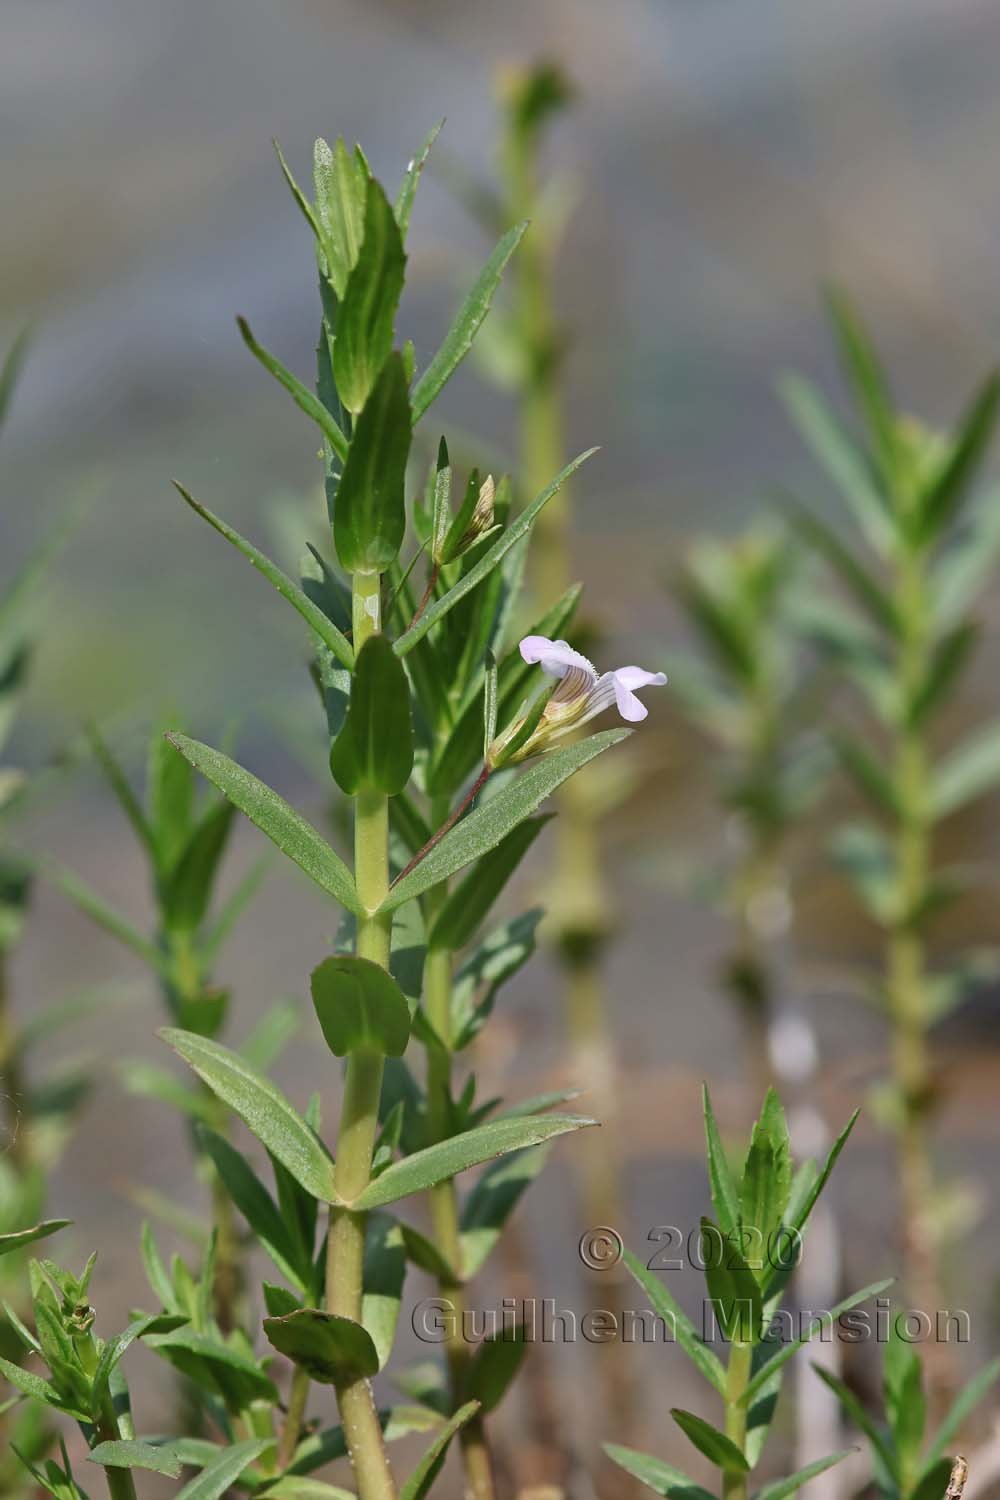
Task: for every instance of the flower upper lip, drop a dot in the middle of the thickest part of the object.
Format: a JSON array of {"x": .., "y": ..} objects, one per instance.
[{"x": 582, "y": 687}]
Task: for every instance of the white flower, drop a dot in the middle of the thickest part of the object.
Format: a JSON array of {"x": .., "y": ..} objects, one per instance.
[{"x": 581, "y": 693}]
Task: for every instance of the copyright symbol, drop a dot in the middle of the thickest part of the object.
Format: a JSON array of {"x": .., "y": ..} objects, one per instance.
[{"x": 601, "y": 1248}]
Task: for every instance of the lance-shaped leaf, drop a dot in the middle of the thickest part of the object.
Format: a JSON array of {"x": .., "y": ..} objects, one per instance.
[
  {"x": 360, "y": 1007},
  {"x": 841, "y": 459},
  {"x": 420, "y": 1480},
  {"x": 383, "y": 1276},
  {"x": 947, "y": 490},
  {"x": 721, "y": 1450},
  {"x": 20, "y": 1237},
  {"x": 374, "y": 750},
  {"x": 472, "y": 899},
  {"x": 481, "y": 830},
  {"x": 257, "y": 1206},
  {"x": 127, "y": 1453},
  {"x": 408, "y": 187},
  {"x": 339, "y": 178},
  {"x": 780, "y": 1489},
  {"x": 331, "y": 1349},
  {"x": 459, "y": 338},
  {"x": 815, "y": 1326},
  {"x": 492, "y": 1201},
  {"x": 504, "y": 542},
  {"x": 116, "y": 1347},
  {"x": 367, "y": 314},
  {"x": 662, "y": 1478},
  {"x": 677, "y": 1323},
  {"x": 967, "y": 1399},
  {"x": 369, "y": 518},
  {"x": 867, "y": 590},
  {"x": 191, "y": 884},
  {"x": 446, "y": 1159},
  {"x": 725, "y": 1196},
  {"x": 767, "y": 1177},
  {"x": 262, "y": 1107},
  {"x": 303, "y": 397},
  {"x": 732, "y": 1286},
  {"x": 315, "y": 618},
  {"x": 868, "y": 773},
  {"x": 273, "y": 816},
  {"x": 500, "y": 955},
  {"x": 854, "y": 1409},
  {"x": 494, "y": 1366},
  {"x": 863, "y": 370},
  {"x": 222, "y": 1472},
  {"x": 967, "y": 773}
]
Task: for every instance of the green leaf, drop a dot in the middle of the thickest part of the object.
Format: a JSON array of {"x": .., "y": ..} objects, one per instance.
[
  {"x": 967, "y": 773},
  {"x": 216, "y": 1478},
  {"x": 383, "y": 1276},
  {"x": 446, "y": 1159},
  {"x": 866, "y": 857},
  {"x": 732, "y": 1286},
  {"x": 494, "y": 1366},
  {"x": 665, "y": 1306},
  {"x": 965, "y": 567},
  {"x": 869, "y": 592},
  {"x": 905, "y": 1402},
  {"x": 359, "y": 1006},
  {"x": 491, "y": 1202},
  {"x": 31, "y": 1385},
  {"x": 408, "y": 187},
  {"x": 340, "y": 179},
  {"x": 116, "y": 1347},
  {"x": 967, "y": 1399},
  {"x": 469, "y": 903},
  {"x": 718, "y": 1448},
  {"x": 947, "y": 662},
  {"x": 868, "y": 773},
  {"x": 192, "y": 883},
  {"x": 854, "y": 1409},
  {"x": 767, "y": 1175},
  {"x": 331, "y": 1349},
  {"x": 815, "y": 1326},
  {"x": 122, "y": 789},
  {"x": 301, "y": 1487},
  {"x": 11, "y": 369},
  {"x": 272, "y": 815},
  {"x": 262, "y": 1107},
  {"x": 459, "y": 338},
  {"x": 839, "y": 457},
  {"x": 93, "y": 906},
  {"x": 484, "y": 828},
  {"x": 870, "y": 386},
  {"x": 369, "y": 519},
  {"x": 422, "y": 1477},
  {"x": 486, "y": 564},
  {"x": 662, "y": 1478},
  {"x": 780, "y": 1489},
  {"x": 725, "y": 1197},
  {"x": 944, "y": 495},
  {"x": 367, "y": 314},
  {"x": 129, "y": 1454},
  {"x": 500, "y": 955},
  {"x": 303, "y": 397},
  {"x": 257, "y": 1206},
  {"x": 20, "y": 1237},
  {"x": 317, "y": 620},
  {"x": 374, "y": 750}
]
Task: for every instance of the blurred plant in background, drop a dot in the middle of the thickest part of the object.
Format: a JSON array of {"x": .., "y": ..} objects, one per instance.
[{"x": 901, "y": 631}]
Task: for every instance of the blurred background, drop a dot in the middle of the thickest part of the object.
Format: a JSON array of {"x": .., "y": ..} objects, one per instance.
[{"x": 727, "y": 159}]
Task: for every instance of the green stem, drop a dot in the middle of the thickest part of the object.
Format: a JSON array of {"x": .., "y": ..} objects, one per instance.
[
  {"x": 734, "y": 1483},
  {"x": 13, "y": 1140},
  {"x": 121, "y": 1485},
  {"x": 297, "y": 1400},
  {"x": 359, "y": 1109},
  {"x": 476, "y": 1459}
]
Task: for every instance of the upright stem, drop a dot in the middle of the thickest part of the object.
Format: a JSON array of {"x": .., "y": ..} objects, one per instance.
[
  {"x": 292, "y": 1430},
  {"x": 121, "y": 1485},
  {"x": 734, "y": 1484},
  {"x": 445, "y": 1215},
  {"x": 359, "y": 1109},
  {"x": 14, "y": 1138}
]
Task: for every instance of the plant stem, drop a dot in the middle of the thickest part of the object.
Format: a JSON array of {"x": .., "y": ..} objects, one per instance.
[
  {"x": 448, "y": 823},
  {"x": 13, "y": 1139},
  {"x": 292, "y": 1430},
  {"x": 121, "y": 1485},
  {"x": 476, "y": 1459},
  {"x": 734, "y": 1482},
  {"x": 359, "y": 1109}
]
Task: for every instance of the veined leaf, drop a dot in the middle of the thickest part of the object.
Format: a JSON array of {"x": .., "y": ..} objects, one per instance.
[
  {"x": 662, "y": 1478},
  {"x": 339, "y": 178},
  {"x": 494, "y": 1365},
  {"x": 459, "y": 338},
  {"x": 767, "y": 1174},
  {"x": 470, "y": 580},
  {"x": 666, "y": 1306},
  {"x": 786, "y": 1351},
  {"x": 482, "y": 829},
  {"x": 374, "y": 750},
  {"x": 383, "y": 1277},
  {"x": 408, "y": 187},
  {"x": 303, "y": 397},
  {"x": 273, "y": 816},
  {"x": 369, "y": 518},
  {"x": 367, "y": 314},
  {"x": 262, "y": 1107},
  {"x": 492, "y": 1201},
  {"x": 20, "y": 1237},
  {"x": 437, "y": 1163},
  {"x": 780, "y": 1489},
  {"x": 854, "y": 1409},
  {"x": 129, "y": 1454},
  {"x": 217, "y": 1476},
  {"x": 472, "y": 899},
  {"x": 255, "y": 1203},
  {"x": 333, "y": 1350},
  {"x": 718, "y": 1448},
  {"x": 317, "y": 620},
  {"x": 420, "y": 1480},
  {"x": 359, "y": 1006},
  {"x": 725, "y": 1196}
]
